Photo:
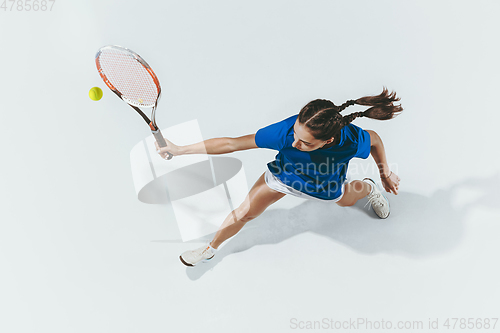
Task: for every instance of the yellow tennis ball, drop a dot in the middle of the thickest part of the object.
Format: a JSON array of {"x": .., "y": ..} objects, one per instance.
[{"x": 95, "y": 93}]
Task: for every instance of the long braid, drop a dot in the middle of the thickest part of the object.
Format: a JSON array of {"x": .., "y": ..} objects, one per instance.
[
  {"x": 382, "y": 107},
  {"x": 345, "y": 105},
  {"x": 349, "y": 118},
  {"x": 324, "y": 120}
]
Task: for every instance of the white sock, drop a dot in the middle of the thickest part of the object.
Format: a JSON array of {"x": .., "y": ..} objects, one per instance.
[
  {"x": 213, "y": 249},
  {"x": 371, "y": 187}
]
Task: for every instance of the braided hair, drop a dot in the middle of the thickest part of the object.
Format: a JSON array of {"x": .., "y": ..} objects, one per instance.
[{"x": 324, "y": 121}]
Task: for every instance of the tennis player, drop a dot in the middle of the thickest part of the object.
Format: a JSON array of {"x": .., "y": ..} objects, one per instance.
[{"x": 314, "y": 149}]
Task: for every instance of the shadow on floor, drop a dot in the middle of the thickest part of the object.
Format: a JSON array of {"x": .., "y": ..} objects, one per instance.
[{"x": 418, "y": 226}]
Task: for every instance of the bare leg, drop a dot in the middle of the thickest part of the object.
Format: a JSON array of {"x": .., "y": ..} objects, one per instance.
[
  {"x": 256, "y": 202},
  {"x": 354, "y": 191}
]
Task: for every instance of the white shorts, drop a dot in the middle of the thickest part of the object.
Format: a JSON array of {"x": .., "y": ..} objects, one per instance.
[{"x": 276, "y": 184}]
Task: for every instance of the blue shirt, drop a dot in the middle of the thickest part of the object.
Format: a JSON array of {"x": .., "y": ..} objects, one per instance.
[{"x": 319, "y": 173}]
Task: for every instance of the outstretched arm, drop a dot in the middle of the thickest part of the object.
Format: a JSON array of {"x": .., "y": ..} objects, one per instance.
[
  {"x": 215, "y": 146},
  {"x": 389, "y": 179}
]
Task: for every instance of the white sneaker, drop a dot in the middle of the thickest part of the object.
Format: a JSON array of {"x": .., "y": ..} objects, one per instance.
[
  {"x": 201, "y": 254},
  {"x": 378, "y": 201}
]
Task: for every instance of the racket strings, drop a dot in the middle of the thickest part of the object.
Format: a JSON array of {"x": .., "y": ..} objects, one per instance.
[{"x": 129, "y": 77}]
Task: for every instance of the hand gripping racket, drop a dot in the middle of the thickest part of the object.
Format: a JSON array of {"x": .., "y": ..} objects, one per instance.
[{"x": 131, "y": 79}]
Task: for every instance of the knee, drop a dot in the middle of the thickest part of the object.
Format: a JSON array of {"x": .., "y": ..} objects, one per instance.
[
  {"x": 357, "y": 186},
  {"x": 247, "y": 218},
  {"x": 351, "y": 193},
  {"x": 244, "y": 214}
]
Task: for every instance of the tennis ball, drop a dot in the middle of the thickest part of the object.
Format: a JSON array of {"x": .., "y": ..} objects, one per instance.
[{"x": 95, "y": 93}]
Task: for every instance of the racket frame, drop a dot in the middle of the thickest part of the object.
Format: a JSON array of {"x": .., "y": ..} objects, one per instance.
[{"x": 151, "y": 122}]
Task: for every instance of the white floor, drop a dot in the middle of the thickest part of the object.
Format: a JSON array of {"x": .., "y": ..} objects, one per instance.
[{"x": 80, "y": 253}]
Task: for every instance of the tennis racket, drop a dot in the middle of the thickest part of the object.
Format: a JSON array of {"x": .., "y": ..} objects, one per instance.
[{"x": 133, "y": 80}]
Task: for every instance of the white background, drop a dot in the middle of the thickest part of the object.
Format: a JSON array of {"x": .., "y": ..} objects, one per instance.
[{"x": 80, "y": 253}]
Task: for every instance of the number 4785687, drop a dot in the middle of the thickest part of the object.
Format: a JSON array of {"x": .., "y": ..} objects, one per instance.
[{"x": 27, "y": 5}]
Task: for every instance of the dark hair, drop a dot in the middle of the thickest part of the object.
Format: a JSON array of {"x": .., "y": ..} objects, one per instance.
[{"x": 324, "y": 121}]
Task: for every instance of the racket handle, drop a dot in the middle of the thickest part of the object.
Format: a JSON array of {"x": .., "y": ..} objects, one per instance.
[{"x": 161, "y": 141}]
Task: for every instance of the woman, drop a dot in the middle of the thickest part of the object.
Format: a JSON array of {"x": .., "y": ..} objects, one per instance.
[{"x": 315, "y": 148}]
